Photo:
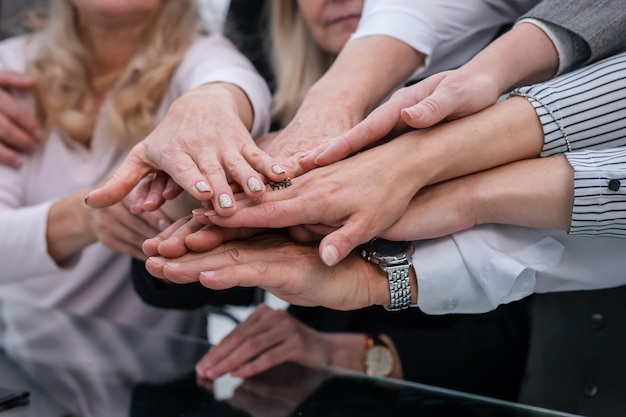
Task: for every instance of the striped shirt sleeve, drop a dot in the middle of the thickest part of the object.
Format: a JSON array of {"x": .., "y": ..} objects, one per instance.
[
  {"x": 599, "y": 192},
  {"x": 582, "y": 113}
]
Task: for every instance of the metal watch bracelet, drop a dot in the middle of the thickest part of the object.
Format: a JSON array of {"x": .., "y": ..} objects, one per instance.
[{"x": 399, "y": 287}]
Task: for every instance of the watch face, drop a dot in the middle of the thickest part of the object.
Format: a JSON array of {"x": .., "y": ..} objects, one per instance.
[
  {"x": 379, "y": 361},
  {"x": 388, "y": 247}
]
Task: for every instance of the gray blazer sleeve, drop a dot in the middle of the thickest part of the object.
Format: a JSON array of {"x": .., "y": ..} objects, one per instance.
[{"x": 600, "y": 24}]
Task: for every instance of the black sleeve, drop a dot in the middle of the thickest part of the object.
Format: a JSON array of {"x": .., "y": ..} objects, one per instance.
[{"x": 159, "y": 293}]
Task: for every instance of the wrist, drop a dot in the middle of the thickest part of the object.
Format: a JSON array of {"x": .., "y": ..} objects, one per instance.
[{"x": 394, "y": 281}]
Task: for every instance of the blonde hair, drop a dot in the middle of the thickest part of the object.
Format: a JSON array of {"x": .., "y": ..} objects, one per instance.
[
  {"x": 63, "y": 76},
  {"x": 297, "y": 60}
]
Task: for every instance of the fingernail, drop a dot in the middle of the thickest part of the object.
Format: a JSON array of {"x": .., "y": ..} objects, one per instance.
[
  {"x": 156, "y": 260},
  {"x": 87, "y": 199},
  {"x": 330, "y": 255},
  {"x": 277, "y": 169},
  {"x": 412, "y": 113},
  {"x": 254, "y": 185},
  {"x": 203, "y": 187},
  {"x": 225, "y": 201},
  {"x": 163, "y": 224},
  {"x": 198, "y": 212}
]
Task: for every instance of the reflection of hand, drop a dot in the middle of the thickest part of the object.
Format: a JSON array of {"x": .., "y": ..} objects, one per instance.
[
  {"x": 224, "y": 147},
  {"x": 19, "y": 130},
  {"x": 290, "y": 270},
  {"x": 350, "y": 201},
  {"x": 265, "y": 339},
  {"x": 277, "y": 392}
]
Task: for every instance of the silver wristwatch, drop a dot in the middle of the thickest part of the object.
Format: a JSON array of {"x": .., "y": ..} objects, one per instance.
[{"x": 395, "y": 259}]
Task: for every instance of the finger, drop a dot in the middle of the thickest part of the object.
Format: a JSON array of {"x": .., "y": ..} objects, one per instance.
[
  {"x": 260, "y": 162},
  {"x": 19, "y": 115},
  {"x": 172, "y": 190},
  {"x": 338, "y": 244},
  {"x": 10, "y": 158},
  {"x": 138, "y": 196},
  {"x": 430, "y": 111},
  {"x": 154, "y": 197},
  {"x": 124, "y": 179},
  {"x": 15, "y": 136},
  {"x": 151, "y": 246},
  {"x": 175, "y": 244},
  {"x": 11, "y": 79}
]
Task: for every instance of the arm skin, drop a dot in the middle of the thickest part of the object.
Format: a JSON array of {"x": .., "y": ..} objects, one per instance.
[
  {"x": 270, "y": 337},
  {"x": 72, "y": 226},
  {"x": 355, "y": 201},
  {"x": 19, "y": 130},
  {"x": 452, "y": 94},
  {"x": 536, "y": 193}
]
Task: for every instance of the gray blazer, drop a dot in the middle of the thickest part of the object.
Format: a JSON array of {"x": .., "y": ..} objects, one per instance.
[{"x": 598, "y": 25}]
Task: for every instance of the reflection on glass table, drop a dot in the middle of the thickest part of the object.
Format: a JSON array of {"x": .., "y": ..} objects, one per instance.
[{"x": 86, "y": 367}]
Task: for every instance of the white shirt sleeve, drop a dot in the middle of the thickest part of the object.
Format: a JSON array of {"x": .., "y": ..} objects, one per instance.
[
  {"x": 448, "y": 32},
  {"x": 476, "y": 270}
]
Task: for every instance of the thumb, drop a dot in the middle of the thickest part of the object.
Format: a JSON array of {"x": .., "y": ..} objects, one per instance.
[
  {"x": 337, "y": 245},
  {"x": 119, "y": 185}
]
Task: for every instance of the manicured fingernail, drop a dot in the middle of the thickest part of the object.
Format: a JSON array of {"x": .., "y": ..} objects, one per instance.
[
  {"x": 225, "y": 201},
  {"x": 163, "y": 224},
  {"x": 203, "y": 187},
  {"x": 277, "y": 169},
  {"x": 330, "y": 255},
  {"x": 254, "y": 185}
]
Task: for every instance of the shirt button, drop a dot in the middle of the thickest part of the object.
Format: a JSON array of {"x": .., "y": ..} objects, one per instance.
[
  {"x": 449, "y": 305},
  {"x": 596, "y": 321},
  {"x": 614, "y": 185},
  {"x": 590, "y": 388}
]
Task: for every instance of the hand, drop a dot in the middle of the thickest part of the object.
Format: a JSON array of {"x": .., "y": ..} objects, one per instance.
[
  {"x": 19, "y": 130},
  {"x": 265, "y": 339},
  {"x": 313, "y": 124},
  {"x": 290, "y": 270},
  {"x": 120, "y": 230},
  {"x": 277, "y": 392},
  {"x": 203, "y": 125},
  {"x": 443, "y": 96},
  {"x": 349, "y": 201}
]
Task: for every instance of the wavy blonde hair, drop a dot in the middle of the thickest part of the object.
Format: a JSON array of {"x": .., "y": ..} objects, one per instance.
[
  {"x": 296, "y": 59},
  {"x": 63, "y": 76}
]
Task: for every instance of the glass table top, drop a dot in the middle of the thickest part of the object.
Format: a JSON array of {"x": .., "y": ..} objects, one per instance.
[{"x": 87, "y": 367}]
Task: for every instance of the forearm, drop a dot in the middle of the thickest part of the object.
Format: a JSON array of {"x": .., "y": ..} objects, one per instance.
[
  {"x": 354, "y": 82},
  {"x": 535, "y": 193},
  {"x": 535, "y": 58},
  {"x": 506, "y": 132}
]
